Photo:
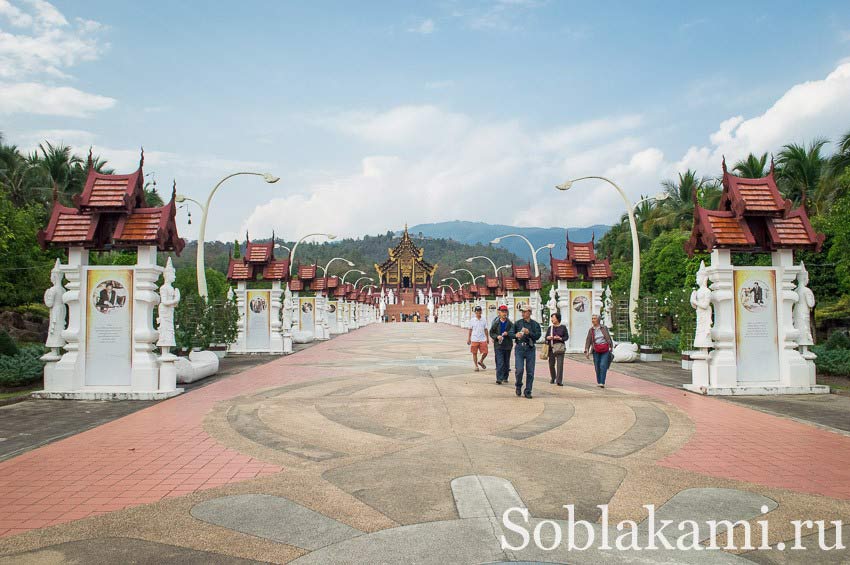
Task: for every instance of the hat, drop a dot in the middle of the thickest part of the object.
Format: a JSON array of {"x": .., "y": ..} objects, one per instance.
[
  {"x": 503, "y": 308},
  {"x": 526, "y": 308},
  {"x": 477, "y": 309}
]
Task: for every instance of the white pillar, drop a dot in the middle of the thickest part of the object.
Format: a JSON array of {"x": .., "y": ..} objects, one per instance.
[
  {"x": 722, "y": 364},
  {"x": 240, "y": 345},
  {"x": 69, "y": 371},
  {"x": 276, "y": 334},
  {"x": 145, "y": 366},
  {"x": 793, "y": 368}
]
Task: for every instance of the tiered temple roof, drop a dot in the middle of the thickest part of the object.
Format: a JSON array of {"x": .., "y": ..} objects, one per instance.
[
  {"x": 258, "y": 260},
  {"x": 752, "y": 217},
  {"x": 405, "y": 266},
  {"x": 580, "y": 262},
  {"x": 111, "y": 213}
]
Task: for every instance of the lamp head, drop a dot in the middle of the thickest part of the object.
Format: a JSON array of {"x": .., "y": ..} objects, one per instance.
[
  {"x": 270, "y": 178},
  {"x": 350, "y": 263},
  {"x": 453, "y": 272},
  {"x": 331, "y": 236},
  {"x": 469, "y": 260},
  {"x": 550, "y": 246},
  {"x": 496, "y": 241},
  {"x": 564, "y": 186},
  {"x": 180, "y": 198},
  {"x": 661, "y": 196}
]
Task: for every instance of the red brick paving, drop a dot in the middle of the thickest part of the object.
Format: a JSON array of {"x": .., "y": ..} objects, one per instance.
[{"x": 162, "y": 451}]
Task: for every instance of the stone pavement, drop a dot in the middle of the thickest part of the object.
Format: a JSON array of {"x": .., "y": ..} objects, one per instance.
[
  {"x": 828, "y": 410},
  {"x": 384, "y": 446}
]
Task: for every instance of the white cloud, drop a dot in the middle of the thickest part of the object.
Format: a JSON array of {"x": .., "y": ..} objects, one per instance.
[
  {"x": 43, "y": 46},
  {"x": 425, "y": 27},
  {"x": 807, "y": 110},
  {"x": 425, "y": 163},
  {"x": 36, "y": 98}
]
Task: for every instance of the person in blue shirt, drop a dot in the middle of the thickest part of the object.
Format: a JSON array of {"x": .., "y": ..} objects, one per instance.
[
  {"x": 502, "y": 333},
  {"x": 526, "y": 334}
]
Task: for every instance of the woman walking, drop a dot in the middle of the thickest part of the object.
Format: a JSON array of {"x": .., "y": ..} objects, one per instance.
[
  {"x": 600, "y": 343},
  {"x": 556, "y": 338}
]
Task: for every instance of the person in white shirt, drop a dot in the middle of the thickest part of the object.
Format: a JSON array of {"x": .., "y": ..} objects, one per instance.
[{"x": 477, "y": 339}]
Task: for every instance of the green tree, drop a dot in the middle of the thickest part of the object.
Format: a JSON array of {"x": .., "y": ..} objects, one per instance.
[
  {"x": 752, "y": 167},
  {"x": 800, "y": 169}
]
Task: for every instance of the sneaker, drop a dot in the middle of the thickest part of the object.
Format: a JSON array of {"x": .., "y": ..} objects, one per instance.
[{"x": 519, "y": 392}]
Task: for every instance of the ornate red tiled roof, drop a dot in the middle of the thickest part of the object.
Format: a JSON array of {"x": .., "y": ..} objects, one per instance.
[
  {"x": 522, "y": 272},
  {"x": 752, "y": 196},
  {"x": 600, "y": 270},
  {"x": 491, "y": 282},
  {"x": 277, "y": 270},
  {"x": 319, "y": 284},
  {"x": 332, "y": 282},
  {"x": 510, "y": 283},
  {"x": 258, "y": 252},
  {"x": 753, "y": 217},
  {"x": 307, "y": 272},
  {"x": 562, "y": 269},
  {"x": 534, "y": 283},
  {"x": 794, "y": 231},
  {"x": 67, "y": 227},
  {"x": 581, "y": 252},
  {"x": 149, "y": 226},
  {"x": 239, "y": 270},
  {"x": 111, "y": 192},
  {"x": 296, "y": 285}
]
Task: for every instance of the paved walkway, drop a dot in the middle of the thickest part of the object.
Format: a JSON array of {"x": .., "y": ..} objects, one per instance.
[{"x": 384, "y": 444}]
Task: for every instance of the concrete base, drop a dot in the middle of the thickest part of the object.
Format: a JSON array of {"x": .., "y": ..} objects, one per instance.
[
  {"x": 104, "y": 395},
  {"x": 756, "y": 390},
  {"x": 650, "y": 357}
]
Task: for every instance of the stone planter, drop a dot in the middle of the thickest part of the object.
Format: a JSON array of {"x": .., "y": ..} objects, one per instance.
[{"x": 650, "y": 353}]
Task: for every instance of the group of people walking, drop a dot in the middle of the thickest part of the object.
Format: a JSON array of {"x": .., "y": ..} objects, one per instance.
[{"x": 521, "y": 338}]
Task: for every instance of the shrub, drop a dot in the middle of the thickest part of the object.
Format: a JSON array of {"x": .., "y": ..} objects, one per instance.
[
  {"x": 838, "y": 340},
  {"x": 36, "y": 310},
  {"x": 7, "y": 344},
  {"x": 832, "y": 361},
  {"x": 23, "y": 368}
]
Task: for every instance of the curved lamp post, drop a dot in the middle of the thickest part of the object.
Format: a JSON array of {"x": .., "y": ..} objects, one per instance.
[
  {"x": 471, "y": 275},
  {"x": 634, "y": 289},
  {"x": 199, "y": 260},
  {"x": 502, "y": 267},
  {"x": 459, "y": 284},
  {"x": 295, "y": 247},
  {"x": 495, "y": 269},
  {"x": 325, "y": 268},
  {"x": 348, "y": 272},
  {"x": 370, "y": 279},
  {"x": 530, "y": 246}
]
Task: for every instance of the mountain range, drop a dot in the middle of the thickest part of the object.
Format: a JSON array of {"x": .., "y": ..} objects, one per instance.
[{"x": 473, "y": 233}]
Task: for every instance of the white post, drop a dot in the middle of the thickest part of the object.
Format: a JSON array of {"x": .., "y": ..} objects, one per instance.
[
  {"x": 275, "y": 325},
  {"x": 722, "y": 364},
  {"x": 793, "y": 368},
  {"x": 145, "y": 367}
]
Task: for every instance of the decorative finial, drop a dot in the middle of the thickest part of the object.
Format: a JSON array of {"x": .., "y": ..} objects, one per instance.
[
  {"x": 772, "y": 165},
  {"x": 247, "y": 239},
  {"x": 90, "y": 161},
  {"x": 173, "y": 189},
  {"x": 169, "y": 268},
  {"x": 142, "y": 158},
  {"x": 724, "y": 164}
]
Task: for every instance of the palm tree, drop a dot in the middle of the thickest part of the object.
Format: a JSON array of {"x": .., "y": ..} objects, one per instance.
[
  {"x": 677, "y": 211},
  {"x": 752, "y": 168},
  {"x": 59, "y": 168},
  {"x": 16, "y": 175},
  {"x": 841, "y": 159},
  {"x": 800, "y": 169}
]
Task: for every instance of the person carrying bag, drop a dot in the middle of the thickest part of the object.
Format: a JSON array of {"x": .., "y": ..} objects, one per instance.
[
  {"x": 600, "y": 343},
  {"x": 556, "y": 339}
]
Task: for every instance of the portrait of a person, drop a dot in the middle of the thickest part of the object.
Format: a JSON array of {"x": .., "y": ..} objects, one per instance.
[{"x": 107, "y": 298}]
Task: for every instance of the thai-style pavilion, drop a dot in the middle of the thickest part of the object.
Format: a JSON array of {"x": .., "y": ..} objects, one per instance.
[
  {"x": 580, "y": 263},
  {"x": 405, "y": 268}
]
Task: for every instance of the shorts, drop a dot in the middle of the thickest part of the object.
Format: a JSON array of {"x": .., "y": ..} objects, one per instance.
[{"x": 478, "y": 347}]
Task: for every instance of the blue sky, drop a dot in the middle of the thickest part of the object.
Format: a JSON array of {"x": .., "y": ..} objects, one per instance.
[{"x": 376, "y": 114}]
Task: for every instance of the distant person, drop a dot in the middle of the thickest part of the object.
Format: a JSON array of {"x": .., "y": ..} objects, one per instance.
[
  {"x": 476, "y": 339},
  {"x": 758, "y": 294},
  {"x": 556, "y": 338},
  {"x": 502, "y": 333},
  {"x": 600, "y": 343},
  {"x": 527, "y": 332}
]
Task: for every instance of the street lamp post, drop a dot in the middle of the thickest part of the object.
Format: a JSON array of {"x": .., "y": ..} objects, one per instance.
[
  {"x": 205, "y": 208},
  {"x": 328, "y": 264},
  {"x": 297, "y": 243},
  {"x": 471, "y": 275},
  {"x": 634, "y": 289},
  {"x": 530, "y": 246},
  {"x": 495, "y": 269}
]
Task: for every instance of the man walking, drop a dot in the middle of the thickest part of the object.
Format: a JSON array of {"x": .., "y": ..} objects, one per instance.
[
  {"x": 527, "y": 332},
  {"x": 502, "y": 332},
  {"x": 477, "y": 339}
]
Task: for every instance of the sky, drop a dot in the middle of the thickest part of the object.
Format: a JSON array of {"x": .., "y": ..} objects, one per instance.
[{"x": 376, "y": 114}]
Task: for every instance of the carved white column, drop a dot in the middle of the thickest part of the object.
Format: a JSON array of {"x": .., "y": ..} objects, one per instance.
[
  {"x": 596, "y": 294},
  {"x": 722, "y": 365},
  {"x": 793, "y": 368},
  {"x": 69, "y": 372},
  {"x": 145, "y": 370},
  {"x": 320, "y": 313},
  {"x": 240, "y": 345},
  {"x": 275, "y": 325}
]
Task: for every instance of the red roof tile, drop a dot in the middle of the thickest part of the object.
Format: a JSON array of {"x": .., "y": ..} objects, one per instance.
[
  {"x": 68, "y": 227},
  {"x": 277, "y": 270},
  {"x": 307, "y": 272},
  {"x": 521, "y": 272},
  {"x": 563, "y": 269},
  {"x": 296, "y": 285},
  {"x": 600, "y": 270},
  {"x": 534, "y": 283},
  {"x": 752, "y": 196},
  {"x": 111, "y": 192},
  {"x": 258, "y": 252},
  {"x": 238, "y": 270},
  {"x": 510, "y": 283},
  {"x": 581, "y": 252}
]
